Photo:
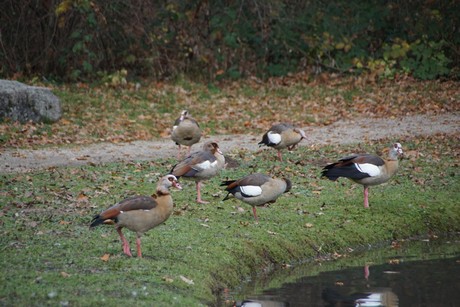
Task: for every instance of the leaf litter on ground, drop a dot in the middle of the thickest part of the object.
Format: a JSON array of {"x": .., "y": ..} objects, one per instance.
[{"x": 95, "y": 114}]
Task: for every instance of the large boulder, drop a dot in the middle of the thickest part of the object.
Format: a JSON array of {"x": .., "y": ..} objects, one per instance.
[{"x": 23, "y": 103}]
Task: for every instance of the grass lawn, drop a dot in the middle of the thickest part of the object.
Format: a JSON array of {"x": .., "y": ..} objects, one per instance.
[{"x": 50, "y": 257}]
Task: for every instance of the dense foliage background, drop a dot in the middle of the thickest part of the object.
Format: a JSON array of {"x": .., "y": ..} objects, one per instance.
[{"x": 95, "y": 40}]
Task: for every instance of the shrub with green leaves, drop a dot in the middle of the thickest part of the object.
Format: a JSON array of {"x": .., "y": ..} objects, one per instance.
[{"x": 80, "y": 40}]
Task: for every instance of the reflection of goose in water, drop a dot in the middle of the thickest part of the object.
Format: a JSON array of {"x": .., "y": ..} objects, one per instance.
[
  {"x": 375, "y": 297},
  {"x": 261, "y": 303}
]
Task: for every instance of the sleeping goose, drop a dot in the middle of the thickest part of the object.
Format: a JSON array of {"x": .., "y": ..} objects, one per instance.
[
  {"x": 282, "y": 136},
  {"x": 140, "y": 213},
  {"x": 257, "y": 189},
  {"x": 186, "y": 131},
  {"x": 365, "y": 169},
  {"x": 201, "y": 165}
]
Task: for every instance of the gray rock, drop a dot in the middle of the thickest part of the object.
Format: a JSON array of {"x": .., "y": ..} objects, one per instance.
[{"x": 23, "y": 103}]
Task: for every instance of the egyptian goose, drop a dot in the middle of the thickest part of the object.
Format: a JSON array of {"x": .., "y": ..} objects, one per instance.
[
  {"x": 140, "y": 213},
  {"x": 257, "y": 189},
  {"x": 282, "y": 136},
  {"x": 186, "y": 131},
  {"x": 201, "y": 165},
  {"x": 365, "y": 169}
]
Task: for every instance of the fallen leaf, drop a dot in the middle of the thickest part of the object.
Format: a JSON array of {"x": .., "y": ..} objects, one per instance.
[
  {"x": 393, "y": 261},
  {"x": 82, "y": 197},
  {"x": 168, "y": 279},
  {"x": 165, "y": 133},
  {"x": 65, "y": 275},
  {"x": 32, "y": 224},
  {"x": 52, "y": 294},
  {"x": 186, "y": 280},
  {"x": 85, "y": 157},
  {"x": 105, "y": 258}
]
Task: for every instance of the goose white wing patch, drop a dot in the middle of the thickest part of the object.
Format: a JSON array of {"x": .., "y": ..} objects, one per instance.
[
  {"x": 273, "y": 137},
  {"x": 251, "y": 190},
  {"x": 368, "y": 168},
  {"x": 205, "y": 165}
]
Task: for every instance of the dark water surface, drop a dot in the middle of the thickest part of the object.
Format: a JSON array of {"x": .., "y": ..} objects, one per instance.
[{"x": 420, "y": 273}]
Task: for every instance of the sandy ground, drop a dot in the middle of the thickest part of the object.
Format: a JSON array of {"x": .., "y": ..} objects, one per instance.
[{"x": 341, "y": 132}]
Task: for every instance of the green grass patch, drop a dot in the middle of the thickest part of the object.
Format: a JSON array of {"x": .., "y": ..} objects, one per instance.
[{"x": 50, "y": 257}]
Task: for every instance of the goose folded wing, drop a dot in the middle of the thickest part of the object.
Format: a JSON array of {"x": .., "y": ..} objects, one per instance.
[
  {"x": 137, "y": 203},
  {"x": 208, "y": 161},
  {"x": 250, "y": 190},
  {"x": 194, "y": 164},
  {"x": 354, "y": 167},
  {"x": 128, "y": 204}
]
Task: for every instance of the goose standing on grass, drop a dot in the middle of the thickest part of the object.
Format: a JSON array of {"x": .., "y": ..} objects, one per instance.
[
  {"x": 365, "y": 169},
  {"x": 282, "y": 136},
  {"x": 140, "y": 213},
  {"x": 257, "y": 190},
  {"x": 200, "y": 166},
  {"x": 186, "y": 131}
]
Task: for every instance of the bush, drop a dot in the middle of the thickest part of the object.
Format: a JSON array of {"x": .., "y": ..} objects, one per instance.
[{"x": 82, "y": 39}]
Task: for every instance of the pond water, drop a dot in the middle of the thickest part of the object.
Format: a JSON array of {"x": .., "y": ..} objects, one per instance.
[{"x": 415, "y": 273}]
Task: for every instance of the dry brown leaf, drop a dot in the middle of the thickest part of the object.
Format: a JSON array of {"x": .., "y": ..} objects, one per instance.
[
  {"x": 165, "y": 133},
  {"x": 82, "y": 197},
  {"x": 65, "y": 275},
  {"x": 105, "y": 258}
]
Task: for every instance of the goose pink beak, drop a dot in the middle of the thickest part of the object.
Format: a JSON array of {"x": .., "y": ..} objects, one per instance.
[{"x": 177, "y": 185}]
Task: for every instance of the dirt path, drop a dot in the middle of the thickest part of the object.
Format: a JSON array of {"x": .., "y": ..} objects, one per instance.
[{"x": 342, "y": 132}]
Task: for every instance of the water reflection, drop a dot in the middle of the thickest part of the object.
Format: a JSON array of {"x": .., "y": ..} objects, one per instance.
[
  {"x": 261, "y": 302},
  {"x": 399, "y": 281},
  {"x": 371, "y": 297}
]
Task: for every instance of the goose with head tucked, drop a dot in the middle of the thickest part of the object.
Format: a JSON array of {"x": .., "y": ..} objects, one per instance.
[
  {"x": 186, "y": 131},
  {"x": 282, "y": 136},
  {"x": 201, "y": 165},
  {"x": 257, "y": 189},
  {"x": 140, "y": 213},
  {"x": 365, "y": 169}
]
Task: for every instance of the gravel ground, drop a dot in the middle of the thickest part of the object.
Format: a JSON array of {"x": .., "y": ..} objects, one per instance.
[{"x": 341, "y": 132}]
